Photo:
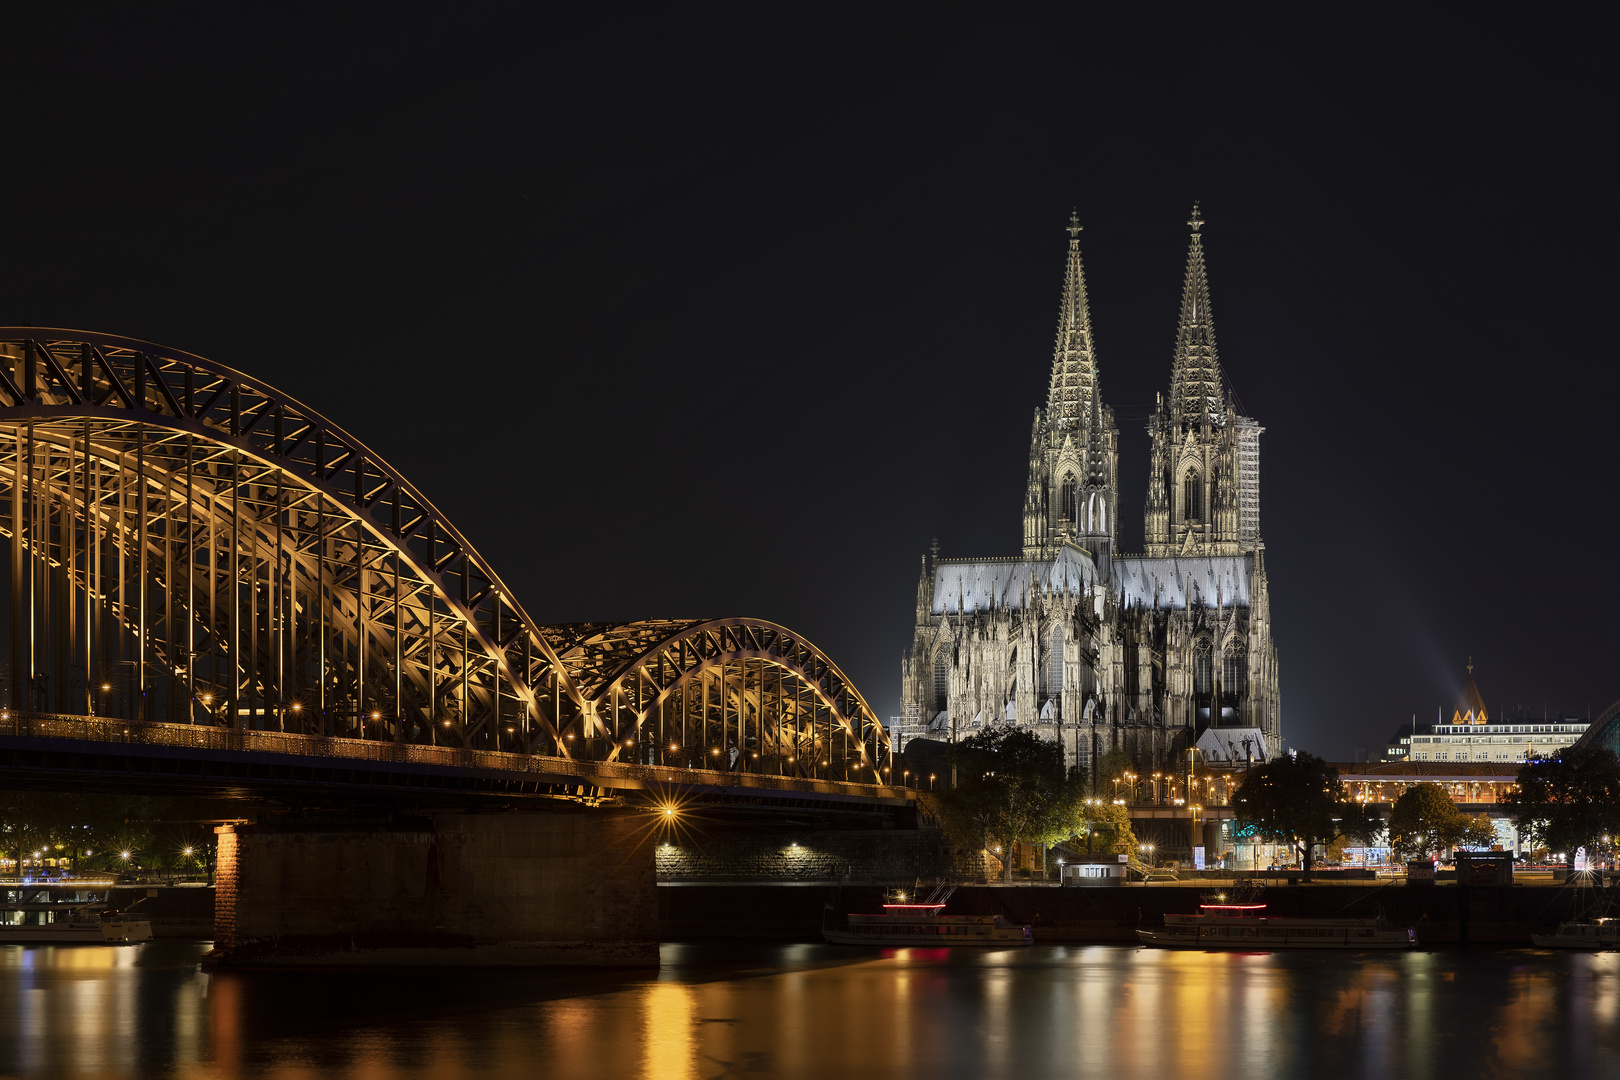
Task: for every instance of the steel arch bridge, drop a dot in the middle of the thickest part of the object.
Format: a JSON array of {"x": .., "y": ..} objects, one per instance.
[
  {"x": 1604, "y": 732},
  {"x": 190, "y": 546}
]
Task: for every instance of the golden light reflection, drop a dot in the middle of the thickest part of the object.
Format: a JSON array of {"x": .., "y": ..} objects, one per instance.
[{"x": 668, "y": 1051}]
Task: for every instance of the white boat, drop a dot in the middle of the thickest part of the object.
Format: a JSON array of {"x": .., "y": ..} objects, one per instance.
[
  {"x": 922, "y": 925},
  {"x": 1247, "y": 928},
  {"x": 1593, "y": 934},
  {"x": 81, "y": 929}
]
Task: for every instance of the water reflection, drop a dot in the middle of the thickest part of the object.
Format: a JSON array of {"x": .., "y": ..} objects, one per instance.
[{"x": 813, "y": 1011}]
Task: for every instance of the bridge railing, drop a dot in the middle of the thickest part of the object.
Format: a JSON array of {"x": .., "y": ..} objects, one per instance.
[{"x": 242, "y": 740}]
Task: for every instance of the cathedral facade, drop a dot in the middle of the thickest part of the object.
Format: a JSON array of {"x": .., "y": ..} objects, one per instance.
[{"x": 1098, "y": 650}]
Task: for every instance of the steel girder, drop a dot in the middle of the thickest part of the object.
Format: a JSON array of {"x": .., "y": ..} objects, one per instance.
[
  {"x": 1604, "y": 731},
  {"x": 190, "y": 545},
  {"x": 739, "y": 694}
]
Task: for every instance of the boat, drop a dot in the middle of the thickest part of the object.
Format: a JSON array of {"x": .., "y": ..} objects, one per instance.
[
  {"x": 82, "y": 927},
  {"x": 924, "y": 925},
  {"x": 1587, "y": 933},
  {"x": 1246, "y": 927}
]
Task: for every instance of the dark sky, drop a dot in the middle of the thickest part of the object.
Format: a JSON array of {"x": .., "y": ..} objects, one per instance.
[{"x": 684, "y": 316}]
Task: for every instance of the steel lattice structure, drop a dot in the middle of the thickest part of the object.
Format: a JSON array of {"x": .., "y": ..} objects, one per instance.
[
  {"x": 749, "y": 693},
  {"x": 189, "y": 545}
]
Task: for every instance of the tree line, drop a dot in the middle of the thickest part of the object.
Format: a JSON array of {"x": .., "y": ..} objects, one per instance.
[
  {"x": 1011, "y": 788},
  {"x": 91, "y": 832}
]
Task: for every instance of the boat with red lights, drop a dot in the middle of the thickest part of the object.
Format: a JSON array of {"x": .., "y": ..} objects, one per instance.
[
  {"x": 925, "y": 924},
  {"x": 1246, "y": 926}
]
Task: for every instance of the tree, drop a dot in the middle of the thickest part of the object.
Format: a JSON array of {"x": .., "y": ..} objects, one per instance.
[
  {"x": 1099, "y": 820},
  {"x": 1570, "y": 801},
  {"x": 1480, "y": 832},
  {"x": 1298, "y": 800},
  {"x": 1424, "y": 820},
  {"x": 1010, "y": 788}
]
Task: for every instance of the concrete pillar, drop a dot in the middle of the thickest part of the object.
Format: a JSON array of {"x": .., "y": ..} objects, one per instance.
[{"x": 567, "y": 886}]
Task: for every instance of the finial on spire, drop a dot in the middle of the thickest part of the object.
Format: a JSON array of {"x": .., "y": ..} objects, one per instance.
[
  {"x": 1470, "y": 665},
  {"x": 1197, "y": 219},
  {"x": 1074, "y": 226}
]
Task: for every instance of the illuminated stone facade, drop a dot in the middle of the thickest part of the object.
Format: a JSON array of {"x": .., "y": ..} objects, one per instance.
[{"x": 1089, "y": 647}]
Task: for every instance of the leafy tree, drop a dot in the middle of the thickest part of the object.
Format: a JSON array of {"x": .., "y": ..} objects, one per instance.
[
  {"x": 1425, "y": 820},
  {"x": 1298, "y": 799},
  {"x": 1479, "y": 833},
  {"x": 1570, "y": 801},
  {"x": 1101, "y": 822},
  {"x": 1010, "y": 788}
]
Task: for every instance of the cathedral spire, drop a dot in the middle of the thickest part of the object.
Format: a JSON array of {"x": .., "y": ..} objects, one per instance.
[
  {"x": 1196, "y": 387},
  {"x": 1074, "y": 363}
]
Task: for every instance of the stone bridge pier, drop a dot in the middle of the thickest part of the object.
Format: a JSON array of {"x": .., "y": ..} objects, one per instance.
[{"x": 566, "y": 886}]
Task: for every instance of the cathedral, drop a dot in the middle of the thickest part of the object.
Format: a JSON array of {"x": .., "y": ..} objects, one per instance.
[{"x": 1097, "y": 650}]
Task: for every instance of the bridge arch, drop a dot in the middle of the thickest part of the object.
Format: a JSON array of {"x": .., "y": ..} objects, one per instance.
[
  {"x": 1604, "y": 732},
  {"x": 190, "y": 545},
  {"x": 740, "y": 694}
]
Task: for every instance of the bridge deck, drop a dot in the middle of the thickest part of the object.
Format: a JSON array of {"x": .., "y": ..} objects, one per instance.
[{"x": 54, "y": 748}]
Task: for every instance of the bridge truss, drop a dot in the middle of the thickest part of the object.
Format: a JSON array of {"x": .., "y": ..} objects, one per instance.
[{"x": 190, "y": 546}]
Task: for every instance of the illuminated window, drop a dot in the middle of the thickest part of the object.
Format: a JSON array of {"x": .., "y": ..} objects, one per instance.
[{"x": 941, "y": 681}]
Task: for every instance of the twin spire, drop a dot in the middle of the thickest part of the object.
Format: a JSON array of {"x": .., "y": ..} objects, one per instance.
[
  {"x": 1197, "y": 387},
  {"x": 1074, "y": 361},
  {"x": 1197, "y": 384}
]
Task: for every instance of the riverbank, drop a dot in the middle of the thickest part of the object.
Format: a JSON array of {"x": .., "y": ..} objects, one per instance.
[{"x": 1444, "y": 914}]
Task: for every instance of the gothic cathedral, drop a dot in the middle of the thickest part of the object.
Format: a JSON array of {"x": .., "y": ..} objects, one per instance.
[{"x": 1150, "y": 654}]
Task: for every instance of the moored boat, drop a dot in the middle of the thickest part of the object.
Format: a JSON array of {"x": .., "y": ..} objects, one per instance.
[
  {"x": 1591, "y": 934},
  {"x": 1246, "y": 927},
  {"x": 925, "y": 925},
  {"x": 81, "y": 928}
]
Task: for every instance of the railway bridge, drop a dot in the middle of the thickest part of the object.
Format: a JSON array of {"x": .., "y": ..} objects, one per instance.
[{"x": 213, "y": 588}]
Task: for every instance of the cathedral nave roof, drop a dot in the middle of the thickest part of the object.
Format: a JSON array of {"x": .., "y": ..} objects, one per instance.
[
  {"x": 1168, "y": 582},
  {"x": 981, "y": 585}
]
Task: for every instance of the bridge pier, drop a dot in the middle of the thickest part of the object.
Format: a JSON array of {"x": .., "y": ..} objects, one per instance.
[{"x": 568, "y": 886}]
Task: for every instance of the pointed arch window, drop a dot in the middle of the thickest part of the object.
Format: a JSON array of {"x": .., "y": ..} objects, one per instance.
[
  {"x": 1070, "y": 506},
  {"x": 1234, "y": 670},
  {"x": 1192, "y": 497},
  {"x": 1054, "y": 664},
  {"x": 1203, "y": 669},
  {"x": 942, "y": 670}
]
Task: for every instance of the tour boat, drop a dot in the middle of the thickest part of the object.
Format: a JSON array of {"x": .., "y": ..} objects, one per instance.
[
  {"x": 80, "y": 929},
  {"x": 1247, "y": 928},
  {"x": 1600, "y": 933},
  {"x": 923, "y": 925}
]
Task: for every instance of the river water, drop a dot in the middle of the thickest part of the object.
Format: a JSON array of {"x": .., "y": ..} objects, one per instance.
[{"x": 823, "y": 1012}]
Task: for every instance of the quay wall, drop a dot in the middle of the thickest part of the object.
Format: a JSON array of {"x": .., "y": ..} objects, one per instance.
[
  {"x": 175, "y": 911},
  {"x": 1444, "y": 915},
  {"x": 896, "y": 857}
]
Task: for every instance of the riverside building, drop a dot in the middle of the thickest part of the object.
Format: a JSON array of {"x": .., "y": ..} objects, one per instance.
[{"x": 1472, "y": 736}]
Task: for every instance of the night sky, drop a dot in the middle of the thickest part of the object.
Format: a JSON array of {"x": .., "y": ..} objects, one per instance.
[{"x": 680, "y": 315}]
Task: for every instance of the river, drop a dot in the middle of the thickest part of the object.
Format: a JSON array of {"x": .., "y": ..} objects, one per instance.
[{"x": 822, "y": 1012}]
